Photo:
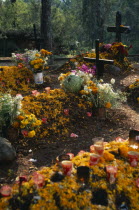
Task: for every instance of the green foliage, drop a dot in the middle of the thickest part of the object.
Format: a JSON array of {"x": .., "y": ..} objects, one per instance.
[{"x": 74, "y": 21}]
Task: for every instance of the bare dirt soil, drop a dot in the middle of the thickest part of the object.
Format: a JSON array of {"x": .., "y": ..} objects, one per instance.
[{"x": 117, "y": 123}]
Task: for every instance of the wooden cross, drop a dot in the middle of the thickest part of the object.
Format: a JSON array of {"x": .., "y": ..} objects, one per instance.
[
  {"x": 118, "y": 29},
  {"x": 99, "y": 62}
]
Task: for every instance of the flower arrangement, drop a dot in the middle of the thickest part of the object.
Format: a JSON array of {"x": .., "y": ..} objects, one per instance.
[
  {"x": 116, "y": 50},
  {"x": 110, "y": 183},
  {"x": 28, "y": 123},
  {"x": 102, "y": 94},
  {"x": 32, "y": 59},
  {"x": 74, "y": 81},
  {"x": 10, "y": 107},
  {"x": 98, "y": 93}
]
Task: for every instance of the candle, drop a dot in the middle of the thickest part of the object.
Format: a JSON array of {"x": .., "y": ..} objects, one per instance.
[
  {"x": 67, "y": 167},
  {"x": 92, "y": 149},
  {"x": 111, "y": 173},
  {"x": 99, "y": 147},
  {"x": 94, "y": 158},
  {"x": 133, "y": 158}
]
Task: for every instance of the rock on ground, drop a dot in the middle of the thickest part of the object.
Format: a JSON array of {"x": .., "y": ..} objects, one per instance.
[{"x": 7, "y": 151}]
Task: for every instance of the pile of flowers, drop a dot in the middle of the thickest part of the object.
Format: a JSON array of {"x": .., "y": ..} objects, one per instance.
[
  {"x": 16, "y": 80},
  {"x": 116, "y": 51},
  {"x": 111, "y": 181},
  {"x": 32, "y": 59},
  {"x": 98, "y": 93},
  {"x": 10, "y": 108},
  {"x": 133, "y": 90},
  {"x": 102, "y": 94},
  {"x": 53, "y": 112}
]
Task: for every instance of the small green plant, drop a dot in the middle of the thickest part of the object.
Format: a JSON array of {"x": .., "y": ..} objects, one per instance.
[{"x": 9, "y": 109}]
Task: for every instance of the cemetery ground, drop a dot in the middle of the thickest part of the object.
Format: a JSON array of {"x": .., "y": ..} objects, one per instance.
[{"x": 31, "y": 155}]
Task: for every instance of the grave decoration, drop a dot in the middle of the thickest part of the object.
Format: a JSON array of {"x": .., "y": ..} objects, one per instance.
[
  {"x": 133, "y": 91},
  {"x": 34, "y": 60},
  {"x": 100, "y": 94},
  {"x": 99, "y": 62},
  {"x": 10, "y": 108},
  {"x": 107, "y": 55},
  {"x": 119, "y": 28},
  {"x": 89, "y": 180},
  {"x": 15, "y": 80},
  {"x": 82, "y": 97}
]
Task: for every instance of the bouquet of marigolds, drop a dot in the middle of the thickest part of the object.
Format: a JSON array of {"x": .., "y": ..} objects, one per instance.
[
  {"x": 32, "y": 59},
  {"x": 28, "y": 123}
]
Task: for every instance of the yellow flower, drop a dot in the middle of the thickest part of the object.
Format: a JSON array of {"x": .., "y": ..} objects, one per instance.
[
  {"x": 108, "y": 105},
  {"x": 36, "y": 66},
  {"x": 31, "y": 134},
  {"x": 108, "y": 156},
  {"x": 138, "y": 99}
]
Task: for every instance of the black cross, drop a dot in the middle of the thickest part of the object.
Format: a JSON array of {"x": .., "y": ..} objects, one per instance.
[
  {"x": 118, "y": 29},
  {"x": 99, "y": 62}
]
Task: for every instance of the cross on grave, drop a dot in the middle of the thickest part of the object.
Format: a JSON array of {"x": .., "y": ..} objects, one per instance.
[
  {"x": 99, "y": 62},
  {"x": 118, "y": 29}
]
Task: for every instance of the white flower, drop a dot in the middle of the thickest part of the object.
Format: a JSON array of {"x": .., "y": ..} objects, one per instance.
[{"x": 112, "y": 81}]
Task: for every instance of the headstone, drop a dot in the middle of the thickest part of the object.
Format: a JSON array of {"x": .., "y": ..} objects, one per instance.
[
  {"x": 119, "y": 28},
  {"x": 7, "y": 151},
  {"x": 99, "y": 62}
]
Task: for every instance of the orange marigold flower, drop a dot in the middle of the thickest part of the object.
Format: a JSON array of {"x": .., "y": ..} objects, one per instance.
[
  {"x": 16, "y": 124},
  {"x": 108, "y": 105},
  {"x": 108, "y": 156},
  {"x": 20, "y": 117}
]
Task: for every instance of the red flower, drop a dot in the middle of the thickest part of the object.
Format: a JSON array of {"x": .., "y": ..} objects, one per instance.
[
  {"x": 44, "y": 120},
  {"x": 24, "y": 132}
]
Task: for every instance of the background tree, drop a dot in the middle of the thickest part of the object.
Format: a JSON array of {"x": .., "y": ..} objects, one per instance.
[{"x": 46, "y": 29}]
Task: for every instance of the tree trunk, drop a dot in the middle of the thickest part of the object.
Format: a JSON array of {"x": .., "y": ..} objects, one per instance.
[{"x": 46, "y": 31}]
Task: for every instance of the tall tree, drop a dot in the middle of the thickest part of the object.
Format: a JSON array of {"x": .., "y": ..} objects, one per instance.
[{"x": 46, "y": 31}]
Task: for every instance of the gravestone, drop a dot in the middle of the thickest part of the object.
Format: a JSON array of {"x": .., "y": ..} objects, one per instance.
[
  {"x": 119, "y": 28},
  {"x": 99, "y": 62}
]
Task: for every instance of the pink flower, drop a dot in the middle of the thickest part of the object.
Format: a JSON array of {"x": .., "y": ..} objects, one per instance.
[
  {"x": 6, "y": 190},
  {"x": 28, "y": 80},
  {"x": 71, "y": 155},
  {"x": 38, "y": 179},
  {"x": 137, "y": 182},
  {"x": 66, "y": 112},
  {"x": 24, "y": 132},
  {"x": 44, "y": 120},
  {"x": 119, "y": 139},
  {"x": 81, "y": 152},
  {"x": 73, "y": 135},
  {"x": 35, "y": 93},
  {"x": 47, "y": 90},
  {"x": 89, "y": 114}
]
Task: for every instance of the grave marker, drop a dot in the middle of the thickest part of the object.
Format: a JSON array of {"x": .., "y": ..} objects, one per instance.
[
  {"x": 99, "y": 62},
  {"x": 119, "y": 28}
]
